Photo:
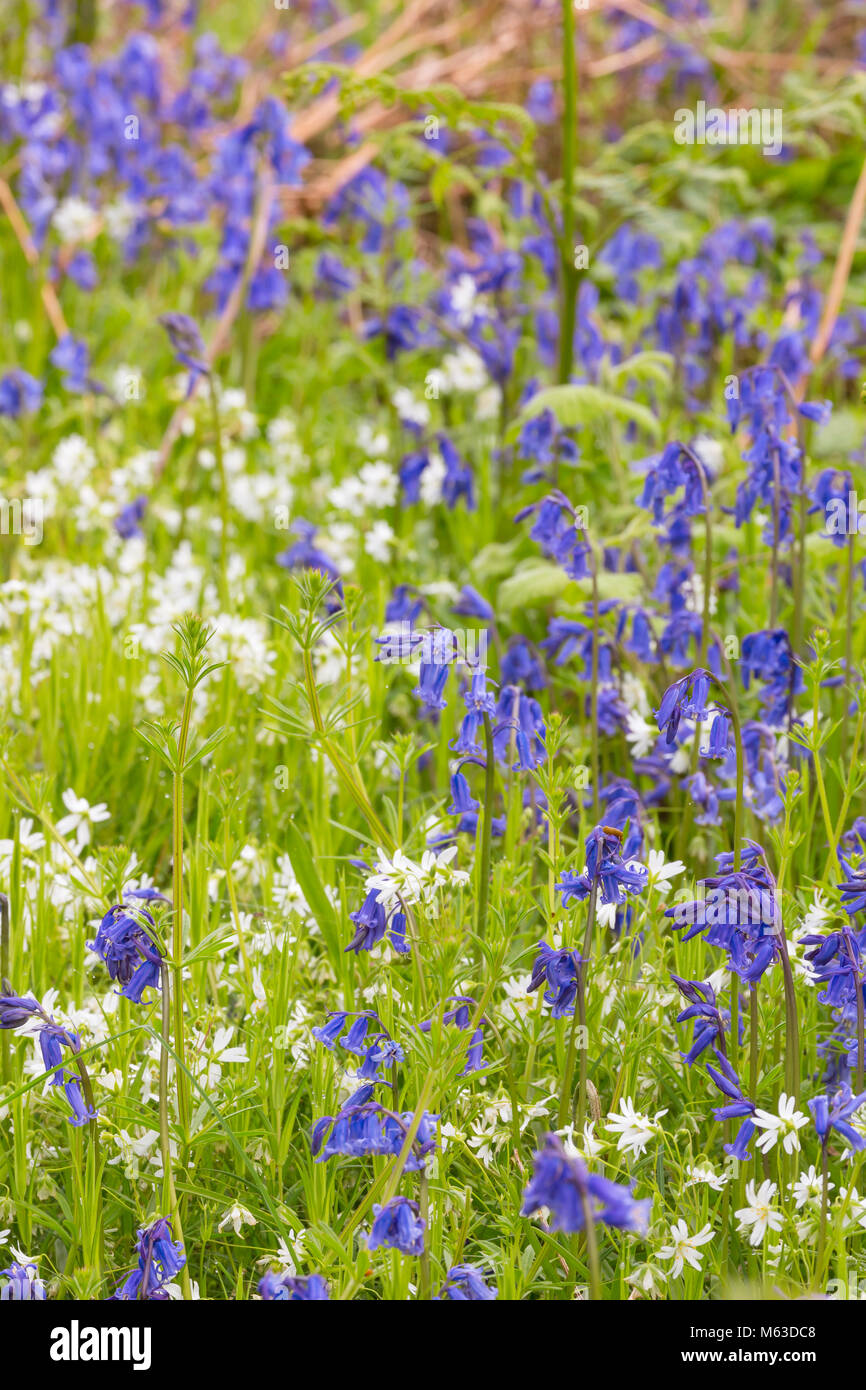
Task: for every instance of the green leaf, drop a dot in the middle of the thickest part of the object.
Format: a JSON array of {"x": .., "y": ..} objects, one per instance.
[
  {"x": 586, "y": 405},
  {"x": 532, "y": 583},
  {"x": 310, "y": 885}
]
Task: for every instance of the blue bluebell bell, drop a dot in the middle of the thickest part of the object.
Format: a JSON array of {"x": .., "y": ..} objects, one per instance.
[
  {"x": 125, "y": 942},
  {"x": 26, "y": 1013},
  {"x": 834, "y": 1112},
  {"x": 687, "y": 698},
  {"x": 160, "y": 1258},
  {"x": 291, "y": 1288},
  {"x": 363, "y": 1126},
  {"x": 398, "y": 1226},
  {"x": 566, "y": 1187},
  {"x": 20, "y": 1283},
  {"x": 558, "y": 970},
  {"x": 467, "y": 1284}
]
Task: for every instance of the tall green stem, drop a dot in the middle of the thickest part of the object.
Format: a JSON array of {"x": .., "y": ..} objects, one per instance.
[
  {"x": 169, "y": 1192},
  {"x": 177, "y": 904},
  {"x": 486, "y": 832},
  {"x": 224, "y": 494},
  {"x": 568, "y": 272},
  {"x": 579, "y": 1019}
]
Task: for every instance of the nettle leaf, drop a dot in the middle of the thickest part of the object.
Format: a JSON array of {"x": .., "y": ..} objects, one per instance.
[{"x": 586, "y": 405}]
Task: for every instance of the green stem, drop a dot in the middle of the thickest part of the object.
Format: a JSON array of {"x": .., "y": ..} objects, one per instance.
[
  {"x": 486, "y": 831},
  {"x": 224, "y": 494},
  {"x": 591, "y": 1248},
  {"x": 579, "y": 1018},
  {"x": 568, "y": 273},
  {"x": 169, "y": 1193},
  {"x": 177, "y": 909},
  {"x": 6, "y": 1071}
]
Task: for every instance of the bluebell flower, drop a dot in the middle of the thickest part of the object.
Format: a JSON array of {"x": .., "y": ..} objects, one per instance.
[
  {"x": 605, "y": 869},
  {"x": 20, "y": 1283},
  {"x": 566, "y": 1187},
  {"x": 71, "y": 356},
  {"x": 462, "y": 801},
  {"x": 738, "y": 912},
  {"x": 558, "y": 970},
  {"x": 186, "y": 340},
  {"x": 291, "y": 1288},
  {"x": 398, "y": 1226},
  {"x": 830, "y": 1114},
  {"x": 521, "y": 667},
  {"x": 557, "y": 530},
  {"x": 363, "y": 1126},
  {"x": 20, "y": 394},
  {"x": 711, "y": 1023},
  {"x": 27, "y": 1015},
  {"x": 160, "y": 1258},
  {"x": 372, "y": 919},
  {"x": 467, "y": 1284},
  {"x": 470, "y": 604},
  {"x": 127, "y": 523},
  {"x": 769, "y": 656},
  {"x": 370, "y": 922},
  {"x": 519, "y": 731},
  {"x": 479, "y": 703},
  {"x": 687, "y": 698},
  {"x": 125, "y": 942},
  {"x": 738, "y": 1107}
]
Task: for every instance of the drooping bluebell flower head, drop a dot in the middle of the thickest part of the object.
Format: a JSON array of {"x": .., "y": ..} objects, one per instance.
[
  {"x": 768, "y": 656},
  {"x": 566, "y": 1187},
  {"x": 519, "y": 732},
  {"x": 676, "y": 467},
  {"x": 740, "y": 913},
  {"x": 20, "y": 1283},
  {"x": 467, "y": 1284},
  {"x": 834, "y": 497},
  {"x": 125, "y": 942},
  {"x": 479, "y": 703},
  {"x": 71, "y": 356},
  {"x": 374, "y": 1051},
  {"x": 605, "y": 870},
  {"x": 363, "y": 1126},
  {"x": 27, "y": 1017},
  {"x": 558, "y": 531},
  {"x": 521, "y": 665},
  {"x": 836, "y": 962},
  {"x": 738, "y": 1107},
  {"x": 160, "y": 1258},
  {"x": 470, "y": 604},
  {"x": 290, "y": 1288},
  {"x": 557, "y": 969},
  {"x": 20, "y": 394},
  {"x": 687, "y": 698},
  {"x": 305, "y": 554},
  {"x": 834, "y": 1113},
  {"x": 372, "y": 919},
  {"x": 711, "y": 1022},
  {"x": 186, "y": 340},
  {"x": 127, "y": 523},
  {"x": 398, "y": 1226}
]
